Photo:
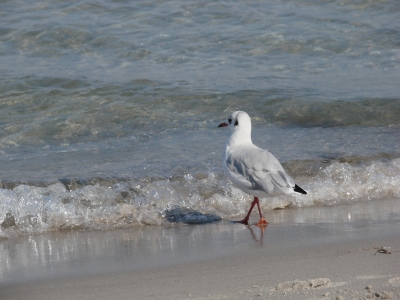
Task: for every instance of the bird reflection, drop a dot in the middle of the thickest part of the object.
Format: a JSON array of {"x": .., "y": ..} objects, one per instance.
[{"x": 257, "y": 232}]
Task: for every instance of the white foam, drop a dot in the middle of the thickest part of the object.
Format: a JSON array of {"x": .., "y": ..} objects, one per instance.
[
  {"x": 28, "y": 209},
  {"x": 343, "y": 183}
]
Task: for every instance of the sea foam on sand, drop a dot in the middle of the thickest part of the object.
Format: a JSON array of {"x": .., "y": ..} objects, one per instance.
[{"x": 312, "y": 259}]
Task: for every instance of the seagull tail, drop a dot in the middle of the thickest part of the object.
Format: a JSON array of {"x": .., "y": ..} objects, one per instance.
[{"x": 299, "y": 190}]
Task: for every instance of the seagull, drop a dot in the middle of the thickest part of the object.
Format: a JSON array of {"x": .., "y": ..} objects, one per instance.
[{"x": 253, "y": 170}]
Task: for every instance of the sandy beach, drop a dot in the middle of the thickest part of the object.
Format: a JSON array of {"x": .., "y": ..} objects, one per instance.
[
  {"x": 111, "y": 180},
  {"x": 290, "y": 259}
]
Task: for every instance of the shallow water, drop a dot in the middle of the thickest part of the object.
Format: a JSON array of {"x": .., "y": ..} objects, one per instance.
[
  {"x": 108, "y": 110},
  {"x": 81, "y": 253}
]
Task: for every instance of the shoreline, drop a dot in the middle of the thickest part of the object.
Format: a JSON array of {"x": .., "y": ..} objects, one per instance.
[{"x": 290, "y": 260}]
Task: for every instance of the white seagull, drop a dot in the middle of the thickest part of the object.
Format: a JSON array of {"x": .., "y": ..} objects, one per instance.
[{"x": 253, "y": 170}]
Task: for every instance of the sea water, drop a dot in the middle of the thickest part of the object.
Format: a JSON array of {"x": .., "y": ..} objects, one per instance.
[{"x": 109, "y": 109}]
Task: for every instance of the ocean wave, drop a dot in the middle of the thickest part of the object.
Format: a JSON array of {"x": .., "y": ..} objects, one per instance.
[
  {"x": 362, "y": 112},
  {"x": 80, "y": 110},
  {"x": 189, "y": 199}
]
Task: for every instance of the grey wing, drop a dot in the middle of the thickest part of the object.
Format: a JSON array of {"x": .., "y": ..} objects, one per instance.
[{"x": 262, "y": 170}]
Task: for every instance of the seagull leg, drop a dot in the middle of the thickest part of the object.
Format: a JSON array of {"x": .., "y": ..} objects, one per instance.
[
  {"x": 262, "y": 221},
  {"x": 246, "y": 219}
]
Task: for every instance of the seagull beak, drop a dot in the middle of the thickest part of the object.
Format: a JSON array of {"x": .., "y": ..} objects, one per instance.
[{"x": 222, "y": 125}]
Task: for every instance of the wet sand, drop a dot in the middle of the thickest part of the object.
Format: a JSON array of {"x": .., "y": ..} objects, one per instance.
[{"x": 310, "y": 253}]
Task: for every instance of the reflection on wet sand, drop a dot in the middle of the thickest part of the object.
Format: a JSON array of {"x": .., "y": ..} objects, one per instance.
[
  {"x": 82, "y": 252},
  {"x": 257, "y": 233},
  {"x": 72, "y": 253}
]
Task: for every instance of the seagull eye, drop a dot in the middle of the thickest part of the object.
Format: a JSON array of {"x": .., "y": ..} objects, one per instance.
[{"x": 230, "y": 121}]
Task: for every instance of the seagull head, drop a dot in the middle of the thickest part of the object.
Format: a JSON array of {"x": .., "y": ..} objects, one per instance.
[{"x": 240, "y": 124}]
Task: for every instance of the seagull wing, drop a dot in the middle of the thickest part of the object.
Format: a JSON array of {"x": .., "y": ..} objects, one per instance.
[{"x": 258, "y": 169}]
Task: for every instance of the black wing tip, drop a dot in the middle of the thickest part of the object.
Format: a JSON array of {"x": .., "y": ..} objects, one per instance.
[{"x": 299, "y": 190}]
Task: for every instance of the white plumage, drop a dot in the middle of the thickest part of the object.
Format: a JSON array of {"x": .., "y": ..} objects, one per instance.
[{"x": 250, "y": 168}]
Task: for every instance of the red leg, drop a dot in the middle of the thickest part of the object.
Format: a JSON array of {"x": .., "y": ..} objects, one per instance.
[
  {"x": 246, "y": 219},
  {"x": 262, "y": 219}
]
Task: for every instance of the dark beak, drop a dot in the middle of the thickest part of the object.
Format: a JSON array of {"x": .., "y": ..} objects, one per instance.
[{"x": 222, "y": 125}]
